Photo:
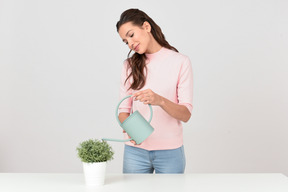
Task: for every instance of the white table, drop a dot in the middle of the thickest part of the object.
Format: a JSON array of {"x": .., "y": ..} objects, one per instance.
[{"x": 42, "y": 182}]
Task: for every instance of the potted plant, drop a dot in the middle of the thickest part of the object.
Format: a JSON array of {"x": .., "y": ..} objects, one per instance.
[{"x": 94, "y": 155}]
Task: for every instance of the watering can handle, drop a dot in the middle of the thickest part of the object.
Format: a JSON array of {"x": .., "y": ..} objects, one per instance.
[{"x": 151, "y": 112}]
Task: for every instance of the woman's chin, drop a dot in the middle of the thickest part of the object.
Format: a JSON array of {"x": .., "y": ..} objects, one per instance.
[{"x": 139, "y": 52}]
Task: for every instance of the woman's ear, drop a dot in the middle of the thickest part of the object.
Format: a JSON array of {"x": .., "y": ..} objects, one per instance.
[{"x": 146, "y": 26}]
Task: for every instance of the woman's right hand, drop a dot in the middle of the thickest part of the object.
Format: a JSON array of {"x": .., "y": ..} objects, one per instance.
[{"x": 122, "y": 117}]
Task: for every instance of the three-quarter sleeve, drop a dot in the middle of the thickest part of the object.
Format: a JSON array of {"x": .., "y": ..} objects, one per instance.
[
  {"x": 126, "y": 105},
  {"x": 185, "y": 85}
]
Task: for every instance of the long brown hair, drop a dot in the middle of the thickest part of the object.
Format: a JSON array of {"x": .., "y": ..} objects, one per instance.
[{"x": 137, "y": 62}]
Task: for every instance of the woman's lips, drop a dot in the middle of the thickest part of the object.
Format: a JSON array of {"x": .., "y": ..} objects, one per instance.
[{"x": 136, "y": 48}]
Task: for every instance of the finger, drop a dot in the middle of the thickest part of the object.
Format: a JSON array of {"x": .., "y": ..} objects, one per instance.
[
  {"x": 146, "y": 102},
  {"x": 134, "y": 95},
  {"x": 140, "y": 98},
  {"x": 124, "y": 131},
  {"x": 148, "y": 91},
  {"x": 137, "y": 93},
  {"x": 144, "y": 96}
]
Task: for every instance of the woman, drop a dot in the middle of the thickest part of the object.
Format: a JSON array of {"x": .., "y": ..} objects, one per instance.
[{"x": 155, "y": 74}]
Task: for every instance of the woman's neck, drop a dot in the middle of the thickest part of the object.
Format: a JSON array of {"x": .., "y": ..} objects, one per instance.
[{"x": 153, "y": 47}]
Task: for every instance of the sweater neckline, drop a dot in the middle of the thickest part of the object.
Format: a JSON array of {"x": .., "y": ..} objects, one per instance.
[{"x": 153, "y": 55}]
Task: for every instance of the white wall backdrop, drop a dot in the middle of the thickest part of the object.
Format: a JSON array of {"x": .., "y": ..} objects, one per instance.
[{"x": 60, "y": 64}]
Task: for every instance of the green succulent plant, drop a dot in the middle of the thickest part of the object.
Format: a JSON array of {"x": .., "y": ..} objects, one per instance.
[{"x": 93, "y": 150}]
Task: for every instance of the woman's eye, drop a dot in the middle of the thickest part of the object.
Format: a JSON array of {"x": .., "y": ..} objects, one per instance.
[{"x": 132, "y": 35}]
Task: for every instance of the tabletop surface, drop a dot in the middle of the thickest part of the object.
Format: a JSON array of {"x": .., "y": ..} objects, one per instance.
[{"x": 54, "y": 182}]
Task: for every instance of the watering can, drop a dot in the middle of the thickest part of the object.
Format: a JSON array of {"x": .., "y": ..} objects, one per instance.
[{"x": 136, "y": 126}]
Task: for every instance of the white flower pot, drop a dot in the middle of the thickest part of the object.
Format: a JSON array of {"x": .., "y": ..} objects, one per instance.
[{"x": 94, "y": 173}]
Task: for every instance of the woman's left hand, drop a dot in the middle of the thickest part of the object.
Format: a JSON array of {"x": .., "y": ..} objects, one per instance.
[{"x": 148, "y": 97}]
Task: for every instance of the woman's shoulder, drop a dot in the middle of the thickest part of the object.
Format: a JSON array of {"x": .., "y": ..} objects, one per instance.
[
  {"x": 126, "y": 63},
  {"x": 176, "y": 55}
]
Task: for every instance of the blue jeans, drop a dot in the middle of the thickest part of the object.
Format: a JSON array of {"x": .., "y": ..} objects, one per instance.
[{"x": 137, "y": 160}]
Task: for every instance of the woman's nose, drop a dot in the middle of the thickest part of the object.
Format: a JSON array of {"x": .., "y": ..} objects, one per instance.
[{"x": 131, "y": 44}]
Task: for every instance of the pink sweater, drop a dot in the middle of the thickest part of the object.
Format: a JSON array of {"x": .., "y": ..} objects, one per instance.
[{"x": 169, "y": 74}]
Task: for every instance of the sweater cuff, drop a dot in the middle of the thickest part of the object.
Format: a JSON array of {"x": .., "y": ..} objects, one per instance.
[{"x": 124, "y": 110}]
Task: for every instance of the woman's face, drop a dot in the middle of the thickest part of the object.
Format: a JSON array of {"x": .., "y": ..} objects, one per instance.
[{"x": 137, "y": 38}]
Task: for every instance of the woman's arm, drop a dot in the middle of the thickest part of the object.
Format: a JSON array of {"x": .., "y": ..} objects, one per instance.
[
  {"x": 179, "y": 112},
  {"x": 123, "y": 116},
  {"x": 175, "y": 110}
]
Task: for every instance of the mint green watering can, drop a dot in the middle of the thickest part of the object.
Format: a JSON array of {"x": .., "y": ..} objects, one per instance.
[{"x": 136, "y": 126}]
